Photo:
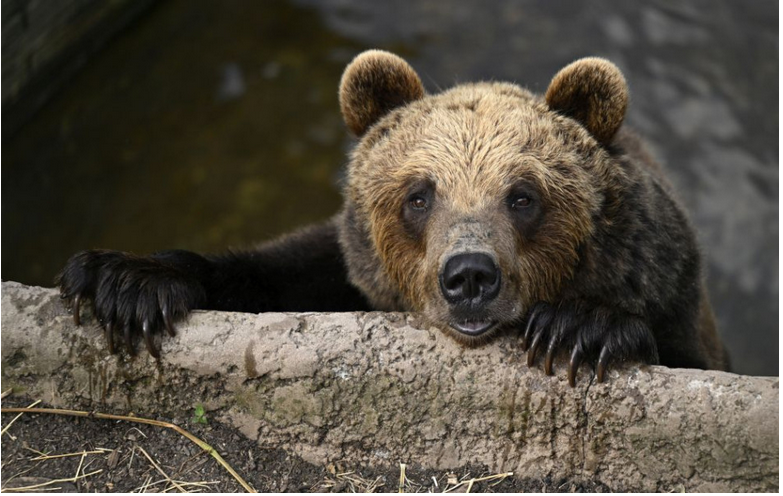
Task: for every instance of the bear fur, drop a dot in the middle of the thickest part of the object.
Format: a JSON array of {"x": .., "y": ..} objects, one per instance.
[{"x": 486, "y": 208}]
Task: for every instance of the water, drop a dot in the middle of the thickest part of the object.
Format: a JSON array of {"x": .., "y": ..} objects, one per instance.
[{"x": 216, "y": 124}]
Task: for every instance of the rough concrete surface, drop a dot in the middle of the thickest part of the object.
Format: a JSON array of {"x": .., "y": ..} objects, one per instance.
[{"x": 375, "y": 388}]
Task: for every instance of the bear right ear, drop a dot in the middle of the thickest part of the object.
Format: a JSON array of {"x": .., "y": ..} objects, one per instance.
[
  {"x": 593, "y": 92},
  {"x": 373, "y": 84}
]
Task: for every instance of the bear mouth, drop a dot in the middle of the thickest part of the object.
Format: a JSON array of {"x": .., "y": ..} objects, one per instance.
[{"x": 473, "y": 327}]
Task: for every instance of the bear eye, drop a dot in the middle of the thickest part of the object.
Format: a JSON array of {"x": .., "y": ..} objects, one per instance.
[
  {"x": 418, "y": 203},
  {"x": 417, "y": 207},
  {"x": 521, "y": 201}
]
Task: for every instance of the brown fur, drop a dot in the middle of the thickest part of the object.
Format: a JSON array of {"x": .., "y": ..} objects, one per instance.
[
  {"x": 484, "y": 207},
  {"x": 468, "y": 141},
  {"x": 372, "y": 85},
  {"x": 474, "y": 144},
  {"x": 592, "y": 91}
]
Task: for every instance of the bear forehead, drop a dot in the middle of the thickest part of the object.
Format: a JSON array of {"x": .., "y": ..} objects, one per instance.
[
  {"x": 472, "y": 139},
  {"x": 480, "y": 116},
  {"x": 477, "y": 108}
]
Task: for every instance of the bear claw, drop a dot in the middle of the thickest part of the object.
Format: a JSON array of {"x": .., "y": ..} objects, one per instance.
[
  {"x": 108, "y": 333},
  {"x": 603, "y": 361},
  {"x": 148, "y": 339},
  {"x": 129, "y": 295},
  {"x": 573, "y": 366},
  {"x": 75, "y": 309},
  {"x": 595, "y": 334},
  {"x": 550, "y": 354},
  {"x": 167, "y": 321}
]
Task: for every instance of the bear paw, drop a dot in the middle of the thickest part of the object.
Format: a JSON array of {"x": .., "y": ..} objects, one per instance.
[
  {"x": 594, "y": 334},
  {"x": 129, "y": 294}
]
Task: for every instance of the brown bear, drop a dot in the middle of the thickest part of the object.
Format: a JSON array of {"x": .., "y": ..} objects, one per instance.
[{"x": 485, "y": 208}]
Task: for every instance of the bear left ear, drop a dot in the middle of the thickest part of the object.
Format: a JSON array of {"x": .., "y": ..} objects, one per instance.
[
  {"x": 373, "y": 84},
  {"x": 592, "y": 91}
]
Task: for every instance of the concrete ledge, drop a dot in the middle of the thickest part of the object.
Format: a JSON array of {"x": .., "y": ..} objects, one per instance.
[{"x": 374, "y": 388}]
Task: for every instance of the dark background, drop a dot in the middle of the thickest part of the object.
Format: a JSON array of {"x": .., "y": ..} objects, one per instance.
[{"x": 205, "y": 125}]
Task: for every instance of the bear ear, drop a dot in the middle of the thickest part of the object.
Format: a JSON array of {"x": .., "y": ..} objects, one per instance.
[
  {"x": 373, "y": 84},
  {"x": 592, "y": 91}
]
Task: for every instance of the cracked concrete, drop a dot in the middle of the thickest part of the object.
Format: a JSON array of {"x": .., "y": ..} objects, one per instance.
[{"x": 375, "y": 389}]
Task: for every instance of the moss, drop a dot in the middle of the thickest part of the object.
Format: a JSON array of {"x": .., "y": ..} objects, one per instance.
[
  {"x": 16, "y": 388},
  {"x": 248, "y": 400}
]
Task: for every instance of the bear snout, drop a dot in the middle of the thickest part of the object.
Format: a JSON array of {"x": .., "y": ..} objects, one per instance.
[{"x": 470, "y": 279}]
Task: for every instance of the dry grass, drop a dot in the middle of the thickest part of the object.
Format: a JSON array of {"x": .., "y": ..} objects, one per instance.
[
  {"x": 51, "y": 485},
  {"x": 156, "y": 479},
  {"x": 166, "y": 484},
  {"x": 76, "y": 413},
  {"x": 447, "y": 483}
]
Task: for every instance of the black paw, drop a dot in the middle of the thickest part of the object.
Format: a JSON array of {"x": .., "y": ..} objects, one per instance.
[
  {"x": 597, "y": 335},
  {"x": 130, "y": 295}
]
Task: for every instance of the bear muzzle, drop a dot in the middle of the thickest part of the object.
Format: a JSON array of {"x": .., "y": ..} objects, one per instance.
[
  {"x": 469, "y": 282},
  {"x": 469, "y": 278}
]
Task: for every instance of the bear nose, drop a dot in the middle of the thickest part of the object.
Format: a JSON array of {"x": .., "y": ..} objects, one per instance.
[{"x": 470, "y": 277}]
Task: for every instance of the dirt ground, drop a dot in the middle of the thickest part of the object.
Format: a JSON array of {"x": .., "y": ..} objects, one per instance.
[{"x": 44, "y": 452}]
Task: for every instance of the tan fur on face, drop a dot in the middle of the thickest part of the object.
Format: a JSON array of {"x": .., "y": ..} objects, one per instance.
[{"x": 474, "y": 143}]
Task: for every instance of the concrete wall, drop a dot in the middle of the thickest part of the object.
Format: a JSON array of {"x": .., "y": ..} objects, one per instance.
[{"x": 374, "y": 389}]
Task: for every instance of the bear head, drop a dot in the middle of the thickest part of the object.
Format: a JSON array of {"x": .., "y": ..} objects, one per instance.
[{"x": 471, "y": 205}]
